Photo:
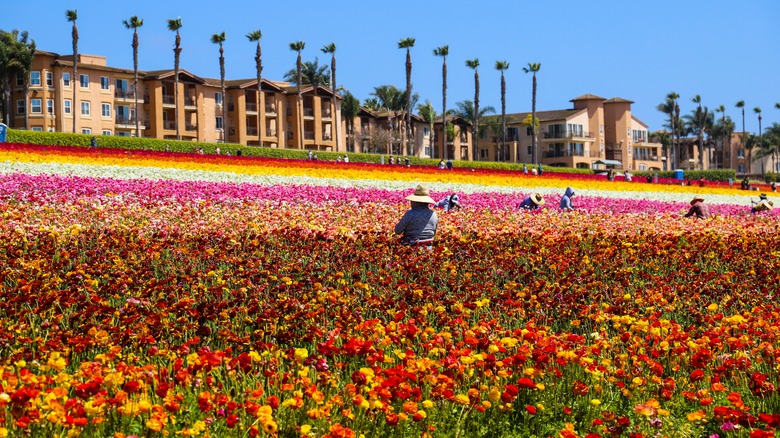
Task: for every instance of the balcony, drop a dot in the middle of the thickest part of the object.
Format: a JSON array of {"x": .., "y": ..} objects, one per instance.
[
  {"x": 308, "y": 112},
  {"x": 251, "y": 130},
  {"x": 251, "y": 107},
  {"x": 270, "y": 108},
  {"x": 122, "y": 94},
  {"x": 567, "y": 135},
  {"x": 190, "y": 102},
  {"x": 326, "y": 112},
  {"x": 559, "y": 154},
  {"x": 190, "y": 127},
  {"x": 270, "y": 132},
  {"x": 169, "y": 125},
  {"x": 327, "y": 136},
  {"x": 308, "y": 135},
  {"x": 168, "y": 100}
]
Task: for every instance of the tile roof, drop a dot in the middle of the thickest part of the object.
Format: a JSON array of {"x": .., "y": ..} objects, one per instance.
[{"x": 587, "y": 97}]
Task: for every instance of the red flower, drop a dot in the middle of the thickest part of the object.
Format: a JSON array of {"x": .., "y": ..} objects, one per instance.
[
  {"x": 525, "y": 382},
  {"x": 530, "y": 409},
  {"x": 697, "y": 376}
]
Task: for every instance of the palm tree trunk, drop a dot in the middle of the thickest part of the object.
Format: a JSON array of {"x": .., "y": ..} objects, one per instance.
[
  {"x": 260, "y": 100},
  {"x": 408, "y": 95},
  {"x": 177, "y": 54},
  {"x": 503, "y": 116},
  {"x": 444, "y": 108},
  {"x": 225, "y": 128},
  {"x": 135, "y": 83},
  {"x": 535, "y": 157},
  {"x": 27, "y": 102},
  {"x": 336, "y": 108},
  {"x": 75, "y": 82},
  {"x": 475, "y": 130},
  {"x": 300, "y": 102}
]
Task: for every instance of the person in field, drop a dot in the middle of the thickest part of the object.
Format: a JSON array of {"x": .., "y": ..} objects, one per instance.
[
  {"x": 566, "y": 204},
  {"x": 449, "y": 203},
  {"x": 763, "y": 204},
  {"x": 698, "y": 208},
  {"x": 532, "y": 202},
  {"x": 419, "y": 224}
]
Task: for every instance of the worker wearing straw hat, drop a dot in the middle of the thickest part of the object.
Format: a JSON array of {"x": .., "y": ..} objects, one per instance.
[
  {"x": 532, "y": 202},
  {"x": 763, "y": 204},
  {"x": 698, "y": 208},
  {"x": 418, "y": 225}
]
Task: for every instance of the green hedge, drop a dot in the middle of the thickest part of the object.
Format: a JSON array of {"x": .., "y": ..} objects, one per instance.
[{"x": 84, "y": 140}]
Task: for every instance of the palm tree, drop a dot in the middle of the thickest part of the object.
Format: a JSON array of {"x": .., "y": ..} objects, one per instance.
[
  {"x": 392, "y": 100},
  {"x": 741, "y": 106},
  {"x": 408, "y": 43},
  {"x": 312, "y": 73},
  {"x": 72, "y": 16},
  {"x": 16, "y": 58},
  {"x": 372, "y": 103},
  {"x": 297, "y": 47},
  {"x": 777, "y": 105},
  {"x": 502, "y": 66},
  {"x": 255, "y": 37},
  {"x": 719, "y": 130},
  {"x": 532, "y": 68},
  {"x": 174, "y": 25},
  {"x": 331, "y": 48},
  {"x": 428, "y": 114},
  {"x": 219, "y": 38},
  {"x": 443, "y": 51},
  {"x": 670, "y": 108},
  {"x": 757, "y": 110},
  {"x": 134, "y": 23},
  {"x": 474, "y": 65},
  {"x": 350, "y": 108},
  {"x": 697, "y": 122}
]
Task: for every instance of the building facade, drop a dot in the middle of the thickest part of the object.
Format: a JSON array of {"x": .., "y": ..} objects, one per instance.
[
  {"x": 105, "y": 104},
  {"x": 595, "y": 133}
]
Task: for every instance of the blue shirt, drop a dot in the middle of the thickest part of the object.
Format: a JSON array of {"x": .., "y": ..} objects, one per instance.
[{"x": 419, "y": 223}]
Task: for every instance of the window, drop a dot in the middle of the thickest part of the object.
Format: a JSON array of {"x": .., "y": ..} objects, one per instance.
[
  {"x": 123, "y": 134},
  {"x": 106, "y": 132},
  {"x": 740, "y": 153},
  {"x": 105, "y": 109},
  {"x": 218, "y": 98},
  {"x": 20, "y": 106},
  {"x": 220, "y": 123},
  {"x": 741, "y": 168},
  {"x": 483, "y": 154},
  {"x": 66, "y": 79},
  {"x": 67, "y": 107},
  {"x": 19, "y": 80},
  {"x": 642, "y": 167},
  {"x": 35, "y": 79},
  {"x": 427, "y": 151},
  {"x": 84, "y": 81},
  {"x": 35, "y": 106},
  {"x": 86, "y": 131},
  {"x": 513, "y": 134},
  {"x": 84, "y": 108},
  {"x": 528, "y": 131},
  {"x": 104, "y": 84},
  {"x": 530, "y": 151},
  {"x": 36, "y": 128},
  {"x": 426, "y": 132},
  {"x": 49, "y": 106},
  {"x": 49, "y": 79}
]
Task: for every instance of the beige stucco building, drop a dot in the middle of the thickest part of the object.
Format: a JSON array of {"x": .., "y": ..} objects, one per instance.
[
  {"x": 594, "y": 133},
  {"x": 105, "y": 105}
]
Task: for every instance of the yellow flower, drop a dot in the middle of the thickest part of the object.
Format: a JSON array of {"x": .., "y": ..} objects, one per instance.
[
  {"x": 427, "y": 404},
  {"x": 301, "y": 354},
  {"x": 697, "y": 416},
  {"x": 305, "y": 429},
  {"x": 712, "y": 307},
  {"x": 462, "y": 399},
  {"x": 595, "y": 402}
]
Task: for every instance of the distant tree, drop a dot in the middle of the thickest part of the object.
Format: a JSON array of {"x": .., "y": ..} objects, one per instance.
[
  {"x": 72, "y": 15},
  {"x": 533, "y": 68},
  {"x": 443, "y": 51},
  {"x": 407, "y": 44},
  {"x": 298, "y": 46},
  {"x": 312, "y": 73},
  {"x": 474, "y": 65},
  {"x": 350, "y": 108},
  {"x": 428, "y": 114},
  {"x": 16, "y": 57},
  {"x": 757, "y": 110},
  {"x": 134, "y": 23},
  {"x": 331, "y": 48},
  {"x": 466, "y": 110},
  {"x": 372, "y": 103},
  {"x": 697, "y": 123},
  {"x": 255, "y": 36},
  {"x": 502, "y": 66},
  {"x": 174, "y": 24},
  {"x": 741, "y": 106},
  {"x": 219, "y": 39},
  {"x": 672, "y": 109}
]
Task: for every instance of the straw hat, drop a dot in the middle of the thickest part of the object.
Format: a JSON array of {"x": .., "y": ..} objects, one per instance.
[
  {"x": 537, "y": 199},
  {"x": 696, "y": 199},
  {"x": 421, "y": 195}
]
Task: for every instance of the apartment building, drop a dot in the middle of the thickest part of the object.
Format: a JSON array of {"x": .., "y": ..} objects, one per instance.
[
  {"x": 596, "y": 133},
  {"x": 105, "y": 105}
]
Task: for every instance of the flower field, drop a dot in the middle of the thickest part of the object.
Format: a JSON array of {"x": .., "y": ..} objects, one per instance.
[{"x": 148, "y": 294}]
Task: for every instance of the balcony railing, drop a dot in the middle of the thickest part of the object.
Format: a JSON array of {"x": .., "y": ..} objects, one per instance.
[
  {"x": 270, "y": 132},
  {"x": 190, "y": 127},
  {"x": 270, "y": 108},
  {"x": 308, "y": 135},
  {"x": 169, "y": 125},
  {"x": 166, "y": 99},
  {"x": 124, "y": 94},
  {"x": 568, "y": 134},
  {"x": 251, "y": 130},
  {"x": 327, "y": 137},
  {"x": 326, "y": 112},
  {"x": 559, "y": 154},
  {"x": 308, "y": 112},
  {"x": 251, "y": 107},
  {"x": 189, "y": 100},
  {"x": 125, "y": 120}
]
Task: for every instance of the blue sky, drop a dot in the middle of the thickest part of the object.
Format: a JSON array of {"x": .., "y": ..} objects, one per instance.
[{"x": 640, "y": 50}]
